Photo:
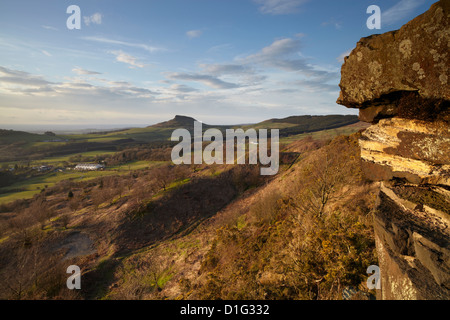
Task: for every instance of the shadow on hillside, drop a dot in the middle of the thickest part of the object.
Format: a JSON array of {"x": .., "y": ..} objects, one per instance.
[
  {"x": 96, "y": 282},
  {"x": 182, "y": 208}
]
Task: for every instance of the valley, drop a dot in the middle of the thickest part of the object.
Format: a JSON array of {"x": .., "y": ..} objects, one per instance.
[{"x": 142, "y": 228}]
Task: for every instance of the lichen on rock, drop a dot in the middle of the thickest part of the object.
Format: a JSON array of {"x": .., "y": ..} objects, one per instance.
[
  {"x": 414, "y": 58},
  {"x": 399, "y": 81}
]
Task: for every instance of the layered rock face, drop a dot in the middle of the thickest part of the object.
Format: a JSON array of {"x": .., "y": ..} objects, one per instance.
[{"x": 400, "y": 82}]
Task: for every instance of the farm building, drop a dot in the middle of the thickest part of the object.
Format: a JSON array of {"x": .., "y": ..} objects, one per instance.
[
  {"x": 89, "y": 166},
  {"x": 44, "y": 168}
]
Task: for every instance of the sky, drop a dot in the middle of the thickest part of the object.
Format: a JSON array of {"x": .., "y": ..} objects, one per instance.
[{"x": 140, "y": 62}]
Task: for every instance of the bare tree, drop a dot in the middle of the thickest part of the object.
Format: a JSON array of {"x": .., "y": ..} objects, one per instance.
[
  {"x": 163, "y": 176},
  {"x": 27, "y": 261},
  {"x": 323, "y": 176},
  {"x": 65, "y": 220},
  {"x": 41, "y": 211}
]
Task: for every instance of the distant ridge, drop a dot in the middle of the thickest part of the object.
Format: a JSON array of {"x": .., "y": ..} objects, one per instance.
[
  {"x": 306, "y": 122},
  {"x": 308, "y": 118},
  {"x": 10, "y": 136},
  {"x": 178, "y": 121}
]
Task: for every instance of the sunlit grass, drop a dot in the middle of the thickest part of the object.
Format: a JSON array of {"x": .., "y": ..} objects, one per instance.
[
  {"x": 324, "y": 134},
  {"x": 60, "y": 160},
  {"x": 34, "y": 185}
]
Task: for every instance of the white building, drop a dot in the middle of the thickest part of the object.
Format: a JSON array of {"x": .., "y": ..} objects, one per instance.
[{"x": 89, "y": 166}]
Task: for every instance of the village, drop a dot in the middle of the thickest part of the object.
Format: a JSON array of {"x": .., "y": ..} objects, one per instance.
[
  {"x": 78, "y": 167},
  {"x": 48, "y": 168}
]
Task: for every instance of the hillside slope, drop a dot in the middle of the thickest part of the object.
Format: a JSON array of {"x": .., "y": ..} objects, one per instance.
[
  {"x": 21, "y": 146},
  {"x": 200, "y": 232},
  {"x": 275, "y": 241}
]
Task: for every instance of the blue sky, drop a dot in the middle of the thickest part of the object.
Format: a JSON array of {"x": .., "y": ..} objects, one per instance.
[{"x": 136, "y": 63}]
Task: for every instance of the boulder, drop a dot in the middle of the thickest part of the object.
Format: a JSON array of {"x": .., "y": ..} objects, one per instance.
[{"x": 414, "y": 59}]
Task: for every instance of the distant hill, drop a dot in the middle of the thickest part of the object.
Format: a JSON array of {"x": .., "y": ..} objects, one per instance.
[
  {"x": 24, "y": 145},
  {"x": 329, "y": 119},
  {"x": 177, "y": 122},
  {"x": 305, "y": 124},
  {"x": 11, "y": 136},
  {"x": 289, "y": 125},
  {"x": 162, "y": 131}
]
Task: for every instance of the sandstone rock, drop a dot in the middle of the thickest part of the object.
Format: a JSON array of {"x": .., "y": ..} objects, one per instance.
[
  {"x": 413, "y": 250},
  {"x": 413, "y": 149},
  {"x": 415, "y": 58},
  {"x": 400, "y": 82},
  {"x": 376, "y": 112},
  {"x": 435, "y": 258}
]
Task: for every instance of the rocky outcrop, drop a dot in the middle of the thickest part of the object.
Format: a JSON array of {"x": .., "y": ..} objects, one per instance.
[
  {"x": 412, "y": 59},
  {"x": 413, "y": 247},
  {"x": 400, "y": 82},
  {"x": 416, "y": 150}
]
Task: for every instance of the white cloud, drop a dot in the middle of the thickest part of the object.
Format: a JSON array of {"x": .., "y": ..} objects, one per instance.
[
  {"x": 23, "y": 83},
  {"x": 208, "y": 80},
  {"x": 276, "y": 50},
  {"x": 21, "y": 78},
  {"x": 332, "y": 22},
  {"x": 194, "y": 33},
  {"x": 143, "y": 46},
  {"x": 46, "y": 53},
  {"x": 284, "y": 54},
  {"x": 181, "y": 88},
  {"x": 277, "y": 7},
  {"x": 79, "y": 101},
  {"x": 316, "y": 85},
  {"x": 117, "y": 83},
  {"x": 401, "y": 10},
  {"x": 220, "y": 48},
  {"x": 251, "y": 85},
  {"x": 50, "y": 28},
  {"x": 96, "y": 18},
  {"x": 81, "y": 71},
  {"x": 261, "y": 69},
  {"x": 221, "y": 69},
  {"x": 128, "y": 59}
]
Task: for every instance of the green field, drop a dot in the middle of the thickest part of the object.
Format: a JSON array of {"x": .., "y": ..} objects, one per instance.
[
  {"x": 11, "y": 136},
  {"x": 34, "y": 185},
  {"x": 14, "y": 144},
  {"x": 58, "y": 161},
  {"x": 325, "y": 134},
  {"x": 147, "y": 134}
]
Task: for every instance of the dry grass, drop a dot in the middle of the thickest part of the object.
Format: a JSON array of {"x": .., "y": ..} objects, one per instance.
[{"x": 161, "y": 239}]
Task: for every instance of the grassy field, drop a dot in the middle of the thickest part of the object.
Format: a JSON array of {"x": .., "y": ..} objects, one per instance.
[
  {"x": 268, "y": 125},
  {"x": 325, "y": 134},
  {"x": 58, "y": 161},
  {"x": 147, "y": 134},
  {"x": 164, "y": 132},
  {"x": 11, "y": 136},
  {"x": 26, "y": 189},
  {"x": 41, "y": 144},
  {"x": 34, "y": 185}
]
